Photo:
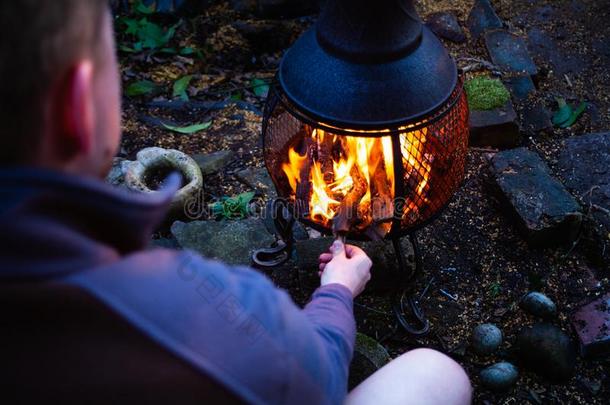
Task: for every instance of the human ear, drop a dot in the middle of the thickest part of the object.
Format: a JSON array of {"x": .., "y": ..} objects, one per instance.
[{"x": 76, "y": 111}]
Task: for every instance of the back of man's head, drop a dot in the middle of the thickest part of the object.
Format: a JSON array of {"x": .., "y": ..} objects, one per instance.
[{"x": 40, "y": 40}]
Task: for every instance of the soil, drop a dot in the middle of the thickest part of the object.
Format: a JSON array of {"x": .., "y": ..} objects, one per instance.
[{"x": 476, "y": 266}]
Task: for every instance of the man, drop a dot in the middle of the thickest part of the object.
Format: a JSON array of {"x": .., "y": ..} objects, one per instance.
[{"x": 89, "y": 315}]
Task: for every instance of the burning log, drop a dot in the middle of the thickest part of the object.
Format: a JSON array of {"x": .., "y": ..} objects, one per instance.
[
  {"x": 325, "y": 155},
  {"x": 303, "y": 192},
  {"x": 347, "y": 213}
]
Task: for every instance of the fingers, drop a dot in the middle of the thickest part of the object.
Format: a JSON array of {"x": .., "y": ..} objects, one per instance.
[
  {"x": 325, "y": 257},
  {"x": 352, "y": 251},
  {"x": 337, "y": 248}
]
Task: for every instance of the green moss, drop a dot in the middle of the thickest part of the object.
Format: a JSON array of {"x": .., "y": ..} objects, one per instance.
[{"x": 485, "y": 93}]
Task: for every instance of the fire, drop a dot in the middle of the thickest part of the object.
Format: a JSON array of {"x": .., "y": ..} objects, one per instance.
[{"x": 328, "y": 171}]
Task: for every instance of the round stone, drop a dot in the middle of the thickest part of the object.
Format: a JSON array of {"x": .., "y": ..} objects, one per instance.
[
  {"x": 539, "y": 305},
  {"x": 547, "y": 350},
  {"x": 500, "y": 376},
  {"x": 486, "y": 339}
]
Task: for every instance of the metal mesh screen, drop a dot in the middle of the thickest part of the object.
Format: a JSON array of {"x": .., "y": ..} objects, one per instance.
[{"x": 378, "y": 183}]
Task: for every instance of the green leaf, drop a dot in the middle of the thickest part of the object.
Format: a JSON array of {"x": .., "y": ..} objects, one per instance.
[
  {"x": 141, "y": 88},
  {"x": 142, "y": 9},
  {"x": 191, "y": 129},
  {"x": 574, "y": 116},
  {"x": 232, "y": 207},
  {"x": 186, "y": 51},
  {"x": 125, "y": 48},
  {"x": 180, "y": 87},
  {"x": 260, "y": 87},
  {"x": 563, "y": 113},
  {"x": 237, "y": 96},
  {"x": 171, "y": 51},
  {"x": 133, "y": 26}
]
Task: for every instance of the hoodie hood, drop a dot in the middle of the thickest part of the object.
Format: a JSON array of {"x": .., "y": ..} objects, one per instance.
[{"x": 52, "y": 223}]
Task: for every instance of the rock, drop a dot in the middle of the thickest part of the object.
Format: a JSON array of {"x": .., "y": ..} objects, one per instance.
[
  {"x": 286, "y": 8},
  {"x": 213, "y": 162},
  {"x": 486, "y": 339},
  {"x": 544, "y": 47},
  {"x": 536, "y": 118},
  {"x": 592, "y": 324},
  {"x": 244, "y": 6},
  {"x": 258, "y": 179},
  {"x": 500, "y": 376},
  {"x": 584, "y": 167},
  {"x": 369, "y": 356},
  {"x": 520, "y": 86},
  {"x": 546, "y": 213},
  {"x": 546, "y": 350},
  {"x": 383, "y": 273},
  {"x": 165, "y": 243},
  {"x": 153, "y": 165},
  {"x": 509, "y": 52},
  {"x": 116, "y": 176},
  {"x": 446, "y": 25},
  {"x": 539, "y": 305},
  {"x": 266, "y": 36},
  {"x": 482, "y": 18},
  {"x": 497, "y": 128},
  {"x": 232, "y": 242}
]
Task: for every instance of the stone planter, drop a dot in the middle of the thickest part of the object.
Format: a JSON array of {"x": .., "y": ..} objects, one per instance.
[{"x": 153, "y": 165}]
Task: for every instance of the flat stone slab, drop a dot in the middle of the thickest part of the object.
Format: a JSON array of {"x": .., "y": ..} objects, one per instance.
[
  {"x": 446, "y": 25},
  {"x": 258, "y": 179},
  {"x": 592, "y": 325},
  {"x": 482, "y": 17},
  {"x": 509, "y": 52},
  {"x": 536, "y": 118},
  {"x": 584, "y": 167},
  {"x": 232, "y": 242},
  {"x": 213, "y": 162},
  {"x": 546, "y": 213},
  {"x": 383, "y": 272},
  {"x": 497, "y": 128},
  {"x": 520, "y": 86}
]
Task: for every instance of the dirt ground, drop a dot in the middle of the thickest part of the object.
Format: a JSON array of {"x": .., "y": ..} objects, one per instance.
[{"x": 472, "y": 251}]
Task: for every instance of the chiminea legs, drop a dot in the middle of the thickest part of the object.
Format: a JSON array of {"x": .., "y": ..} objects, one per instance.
[
  {"x": 405, "y": 307},
  {"x": 421, "y": 326}
]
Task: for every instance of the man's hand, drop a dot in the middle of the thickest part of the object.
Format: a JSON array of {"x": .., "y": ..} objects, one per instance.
[{"x": 346, "y": 265}]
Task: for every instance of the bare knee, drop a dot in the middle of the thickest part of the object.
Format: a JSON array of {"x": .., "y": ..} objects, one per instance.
[
  {"x": 421, "y": 376},
  {"x": 443, "y": 376}
]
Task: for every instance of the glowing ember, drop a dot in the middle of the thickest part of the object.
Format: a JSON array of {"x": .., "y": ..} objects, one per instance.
[{"x": 333, "y": 172}]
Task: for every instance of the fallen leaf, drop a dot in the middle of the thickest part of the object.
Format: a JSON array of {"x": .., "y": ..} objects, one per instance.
[
  {"x": 180, "y": 87},
  {"x": 190, "y": 129},
  {"x": 141, "y": 88},
  {"x": 563, "y": 113},
  {"x": 260, "y": 87},
  {"x": 574, "y": 116}
]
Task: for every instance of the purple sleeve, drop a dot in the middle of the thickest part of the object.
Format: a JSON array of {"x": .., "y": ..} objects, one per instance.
[{"x": 234, "y": 325}]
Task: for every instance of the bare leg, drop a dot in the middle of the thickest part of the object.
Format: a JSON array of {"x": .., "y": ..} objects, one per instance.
[{"x": 421, "y": 376}]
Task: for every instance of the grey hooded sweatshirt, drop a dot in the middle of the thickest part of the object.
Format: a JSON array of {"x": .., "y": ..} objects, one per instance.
[{"x": 88, "y": 313}]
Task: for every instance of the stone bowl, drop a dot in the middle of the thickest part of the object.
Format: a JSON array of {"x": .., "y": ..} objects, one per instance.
[{"x": 152, "y": 165}]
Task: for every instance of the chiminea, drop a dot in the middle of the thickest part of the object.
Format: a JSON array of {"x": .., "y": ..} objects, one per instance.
[{"x": 365, "y": 131}]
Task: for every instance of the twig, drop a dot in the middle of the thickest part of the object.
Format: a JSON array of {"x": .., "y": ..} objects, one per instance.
[
  {"x": 483, "y": 150},
  {"x": 446, "y": 294},
  {"x": 423, "y": 294},
  {"x": 568, "y": 80},
  {"x": 477, "y": 63}
]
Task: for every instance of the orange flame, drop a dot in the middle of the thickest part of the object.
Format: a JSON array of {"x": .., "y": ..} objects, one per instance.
[{"x": 340, "y": 161}]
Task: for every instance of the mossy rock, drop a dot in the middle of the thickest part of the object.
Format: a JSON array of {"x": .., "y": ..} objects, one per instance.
[
  {"x": 369, "y": 356},
  {"x": 485, "y": 93}
]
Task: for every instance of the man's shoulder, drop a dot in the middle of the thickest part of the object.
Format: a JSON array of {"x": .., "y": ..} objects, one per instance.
[{"x": 218, "y": 318}]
